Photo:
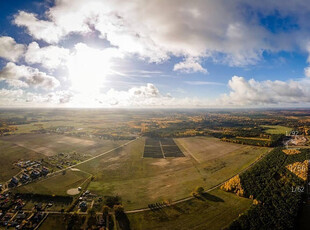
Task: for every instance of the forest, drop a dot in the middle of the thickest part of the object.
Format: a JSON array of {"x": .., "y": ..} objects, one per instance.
[{"x": 278, "y": 192}]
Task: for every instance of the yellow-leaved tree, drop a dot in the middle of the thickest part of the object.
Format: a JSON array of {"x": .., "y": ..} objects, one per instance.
[{"x": 233, "y": 185}]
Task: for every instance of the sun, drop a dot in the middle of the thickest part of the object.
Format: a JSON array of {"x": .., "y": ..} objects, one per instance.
[{"x": 88, "y": 68}]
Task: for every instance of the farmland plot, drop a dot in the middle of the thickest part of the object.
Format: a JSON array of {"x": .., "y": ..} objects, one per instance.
[
  {"x": 152, "y": 151},
  {"x": 159, "y": 148},
  {"x": 172, "y": 151}
]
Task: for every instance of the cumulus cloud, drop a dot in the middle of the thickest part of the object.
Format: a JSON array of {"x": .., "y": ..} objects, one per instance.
[
  {"x": 12, "y": 98},
  {"x": 181, "y": 28},
  {"x": 22, "y": 98},
  {"x": 147, "y": 96},
  {"x": 57, "y": 98},
  {"x": 242, "y": 93},
  {"x": 143, "y": 96},
  {"x": 9, "y": 49},
  {"x": 229, "y": 32},
  {"x": 50, "y": 57},
  {"x": 190, "y": 65},
  {"x": 253, "y": 93},
  {"x": 6, "y": 93},
  {"x": 39, "y": 29},
  {"x": 25, "y": 76}
]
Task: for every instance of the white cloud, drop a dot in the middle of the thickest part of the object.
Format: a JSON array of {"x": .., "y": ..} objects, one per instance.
[
  {"x": 242, "y": 93},
  {"x": 6, "y": 93},
  {"x": 25, "y": 76},
  {"x": 307, "y": 71},
  {"x": 158, "y": 29},
  {"x": 17, "y": 98},
  {"x": 224, "y": 31},
  {"x": 15, "y": 83},
  {"x": 146, "y": 96},
  {"x": 9, "y": 49},
  {"x": 190, "y": 65},
  {"x": 49, "y": 57},
  {"x": 57, "y": 98},
  {"x": 143, "y": 96},
  {"x": 21, "y": 98},
  {"x": 253, "y": 93},
  {"x": 39, "y": 29}
]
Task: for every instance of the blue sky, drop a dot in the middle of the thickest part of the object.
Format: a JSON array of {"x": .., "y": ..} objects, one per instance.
[{"x": 154, "y": 53}]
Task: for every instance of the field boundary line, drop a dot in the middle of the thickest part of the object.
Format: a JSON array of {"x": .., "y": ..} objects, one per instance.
[
  {"x": 198, "y": 161},
  {"x": 162, "y": 150},
  {"x": 143, "y": 149}
]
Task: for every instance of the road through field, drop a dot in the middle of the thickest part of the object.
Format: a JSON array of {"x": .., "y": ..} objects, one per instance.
[
  {"x": 99, "y": 155},
  {"x": 73, "y": 166}
]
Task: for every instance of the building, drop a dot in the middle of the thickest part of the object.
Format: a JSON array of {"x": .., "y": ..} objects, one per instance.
[
  {"x": 35, "y": 174},
  {"x": 14, "y": 182},
  {"x": 25, "y": 177},
  {"x": 44, "y": 171},
  {"x": 83, "y": 206}
]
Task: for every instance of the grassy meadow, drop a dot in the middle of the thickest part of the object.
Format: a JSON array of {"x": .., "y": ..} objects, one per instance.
[
  {"x": 51, "y": 144},
  {"x": 58, "y": 184},
  {"x": 276, "y": 129},
  {"x": 124, "y": 172},
  {"x": 141, "y": 181},
  {"x": 216, "y": 211},
  {"x": 11, "y": 153}
]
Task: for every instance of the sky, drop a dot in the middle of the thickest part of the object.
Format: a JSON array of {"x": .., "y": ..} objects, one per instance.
[{"x": 154, "y": 54}]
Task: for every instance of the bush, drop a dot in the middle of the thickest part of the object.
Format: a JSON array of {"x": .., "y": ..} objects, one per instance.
[
  {"x": 198, "y": 191},
  {"x": 110, "y": 201}
]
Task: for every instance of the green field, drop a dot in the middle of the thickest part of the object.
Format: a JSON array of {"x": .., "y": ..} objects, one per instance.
[
  {"x": 51, "y": 144},
  {"x": 276, "y": 129},
  {"x": 11, "y": 153},
  {"x": 56, "y": 185},
  {"x": 40, "y": 146},
  {"x": 216, "y": 211},
  {"x": 141, "y": 181}
]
